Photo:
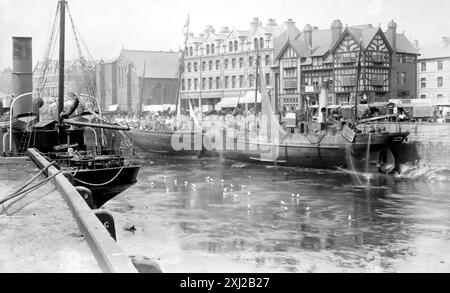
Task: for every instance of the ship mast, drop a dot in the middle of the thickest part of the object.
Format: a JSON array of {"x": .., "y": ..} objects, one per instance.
[
  {"x": 358, "y": 73},
  {"x": 62, "y": 20},
  {"x": 181, "y": 67}
]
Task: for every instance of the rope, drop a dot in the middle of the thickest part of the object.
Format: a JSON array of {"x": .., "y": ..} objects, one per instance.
[
  {"x": 37, "y": 185},
  {"x": 101, "y": 184},
  {"x": 312, "y": 142}
]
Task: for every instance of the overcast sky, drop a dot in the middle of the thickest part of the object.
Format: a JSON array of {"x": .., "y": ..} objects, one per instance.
[{"x": 107, "y": 25}]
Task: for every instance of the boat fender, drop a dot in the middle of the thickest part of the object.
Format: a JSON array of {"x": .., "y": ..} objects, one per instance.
[
  {"x": 86, "y": 194},
  {"x": 107, "y": 221}
]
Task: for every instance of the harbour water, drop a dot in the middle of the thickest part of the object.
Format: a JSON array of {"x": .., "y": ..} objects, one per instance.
[{"x": 192, "y": 215}]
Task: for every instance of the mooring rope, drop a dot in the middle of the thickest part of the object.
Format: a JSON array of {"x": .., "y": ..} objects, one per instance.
[{"x": 101, "y": 184}]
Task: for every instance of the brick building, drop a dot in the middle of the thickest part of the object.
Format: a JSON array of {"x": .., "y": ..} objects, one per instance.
[{"x": 119, "y": 80}]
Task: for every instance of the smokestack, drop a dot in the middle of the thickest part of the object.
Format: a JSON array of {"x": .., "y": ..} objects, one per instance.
[
  {"x": 22, "y": 77},
  {"x": 271, "y": 22},
  {"x": 290, "y": 28},
  {"x": 336, "y": 31}
]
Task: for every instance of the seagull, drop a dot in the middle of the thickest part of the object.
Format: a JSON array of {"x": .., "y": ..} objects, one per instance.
[
  {"x": 186, "y": 183},
  {"x": 298, "y": 195},
  {"x": 231, "y": 185},
  {"x": 249, "y": 207},
  {"x": 293, "y": 195},
  {"x": 282, "y": 202},
  {"x": 349, "y": 217},
  {"x": 235, "y": 195},
  {"x": 307, "y": 208},
  {"x": 285, "y": 208},
  {"x": 248, "y": 193},
  {"x": 225, "y": 190},
  {"x": 221, "y": 180}
]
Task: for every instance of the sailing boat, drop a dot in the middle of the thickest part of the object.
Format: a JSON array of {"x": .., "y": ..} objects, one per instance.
[
  {"x": 104, "y": 172},
  {"x": 309, "y": 144},
  {"x": 182, "y": 138}
]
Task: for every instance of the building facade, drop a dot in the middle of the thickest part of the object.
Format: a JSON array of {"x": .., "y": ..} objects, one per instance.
[
  {"x": 75, "y": 80},
  {"x": 434, "y": 71},
  {"x": 120, "y": 80},
  {"x": 222, "y": 65},
  {"x": 312, "y": 58}
]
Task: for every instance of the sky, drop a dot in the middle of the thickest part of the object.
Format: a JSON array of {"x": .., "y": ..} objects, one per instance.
[{"x": 107, "y": 26}]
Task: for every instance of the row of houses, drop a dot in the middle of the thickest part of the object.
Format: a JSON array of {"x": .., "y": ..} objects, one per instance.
[{"x": 295, "y": 63}]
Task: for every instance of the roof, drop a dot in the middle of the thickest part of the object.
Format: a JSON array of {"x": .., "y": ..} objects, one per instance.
[
  {"x": 403, "y": 44},
  {"x": 159, "y": 64},
  {"x": 435, "y": 51}
]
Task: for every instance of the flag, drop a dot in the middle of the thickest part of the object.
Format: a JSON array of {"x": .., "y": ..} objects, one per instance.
[{"x": 186, "y": 26}]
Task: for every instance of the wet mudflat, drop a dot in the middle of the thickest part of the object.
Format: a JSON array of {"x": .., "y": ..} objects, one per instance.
[{"x": 195, "y": 215}]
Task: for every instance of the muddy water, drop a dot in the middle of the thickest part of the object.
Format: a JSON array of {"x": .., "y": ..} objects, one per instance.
[{"x": 212, "y": 216}]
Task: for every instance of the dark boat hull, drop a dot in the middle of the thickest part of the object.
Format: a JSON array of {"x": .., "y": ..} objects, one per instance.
[
  {"x": 326, "y": 151},
  {"x": 161, "y": 142},
  {"x": 108, "y": 182}
]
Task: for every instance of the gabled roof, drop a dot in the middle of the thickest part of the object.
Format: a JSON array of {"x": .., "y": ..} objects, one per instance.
[
  {"x": 435, "y": 51},
  {"x": 159, "y": 64},
  {"x": 403, "y": 44}
]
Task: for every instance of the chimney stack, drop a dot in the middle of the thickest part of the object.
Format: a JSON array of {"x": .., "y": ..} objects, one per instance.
[
  {"x": 416, "y": 44},
  {"x": 446, "y": 41},
  {"x": 224, "y": 30},
  {"x": 336, "y": 31},
  {"x": 254, "y": 25},
  {"x": 307, "y": 33},
  {"x": 290, "y": 28},
  {"x": 392, "y": 26},
  {"x": 271, "y": 22},
  {"x": 209, "y": 29}
]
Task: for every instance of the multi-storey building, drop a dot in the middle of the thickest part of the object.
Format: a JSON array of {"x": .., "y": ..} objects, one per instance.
[
  {"x": 434, "y": 71},
  {"x": 309, "y": 59},
  {"x": 119, "y": 81},
  {"x": 75, "y": 80},
  {"x": 221, "y": 65}
]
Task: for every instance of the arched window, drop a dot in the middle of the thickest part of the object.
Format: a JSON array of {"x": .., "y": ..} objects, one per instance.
[
  {"x": 255, "y": 43},
  {"x": 261, "y": 43},
  {"x": 207, "y": 49},
  {"x": 191, "y": 51},
  {"x": 236, "y": 48},
  {"x": 212, "y": 49},
  {"x": 230, "y": 46}
]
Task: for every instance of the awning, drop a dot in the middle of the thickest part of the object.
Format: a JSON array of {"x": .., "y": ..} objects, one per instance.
[
  {"x": 231, "y": 102},
  {"x": 113, "y": 108},
  {"x": 157, "y": 108}
]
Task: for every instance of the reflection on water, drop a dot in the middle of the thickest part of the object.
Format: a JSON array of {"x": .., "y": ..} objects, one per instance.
[{"x": 212, "y": 216}]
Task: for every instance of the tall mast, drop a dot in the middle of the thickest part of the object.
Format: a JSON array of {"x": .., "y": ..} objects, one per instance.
[
  {"x": 358, "y": 73},
  {"x": 141, "y": 96},
  {"x": 62, "y": 20},
  {"x": 181, "y": 67}
]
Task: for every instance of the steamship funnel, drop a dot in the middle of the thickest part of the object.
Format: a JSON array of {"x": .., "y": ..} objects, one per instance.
[{"x": 22, "y": 78}]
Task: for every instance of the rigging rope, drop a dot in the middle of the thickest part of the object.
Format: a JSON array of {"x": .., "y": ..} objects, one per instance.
[{"x": 100, "y": 184}]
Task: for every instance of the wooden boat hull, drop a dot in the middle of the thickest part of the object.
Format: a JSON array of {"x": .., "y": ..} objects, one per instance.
[
  {"x": 325, "y": 151},
  {"x": 160, "y": 142}
]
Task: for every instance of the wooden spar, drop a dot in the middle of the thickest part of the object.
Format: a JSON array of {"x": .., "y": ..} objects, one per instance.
[
  {"x": 102, "y": 126},
  {"x": 141, "y": 96},
  {"x": 358, "y": 73},
  {"x": 62, "y": 21},
  {"x": 181, "y": 68}
]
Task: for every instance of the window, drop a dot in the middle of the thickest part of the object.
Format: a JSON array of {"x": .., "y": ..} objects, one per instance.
[
  {"x": 423, "y": 82},
  {"x": 250, "y": 61},
  {"x": 397, "y": 79},
  {"x": 212, "y": 49},
  {"x": 217, "y": 82},
  {"x": 261, "y": 43},
  {"x": 403, "y": 78},
  {"x": 251, "y": 80},
  {"x": 290, "y": 73},
  {"x": 440, "y": 82},
  {"x": 241, "y": 62},
  {"x": 241, "y": 81},
  {"x": 189, "y": 84},
  {"x": 210, "y": 65},
  {"x": 236, "y": 46},
  {"x": 191, "y": 51},
  {"x": 226, "y": 64},
  {"x": 195, "y": 67},
  {"x": 440, "y": 65},
  {"x": 267, "y": 79},
  {"x": 189, "y": 67},
  {"x": 217, "y": 64},
  {"x": 439, "y": 96},
  {"x": 227, "y": 81},
  {"x": 207, "y": 49},
  {"x": 267, "y": 60},
  {"x": 423, "y": 66},
  {"x": 230, "y": 46},
  {"x": 183, "y": 84},
  {"x": 423, "y": 96},
  {"x": 255, "y": 43},
  {"x": 233, "y": 63},
  {"x": 186, "y": 50},
  {"x": 195, "y": 84},
  {"x": 210, "y": 83},
  {"x": 203, "y": 83},
  {"x": 203, "y": 66},
  {"x": 233, "y": 81}
]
